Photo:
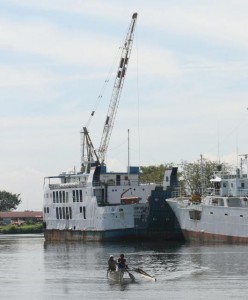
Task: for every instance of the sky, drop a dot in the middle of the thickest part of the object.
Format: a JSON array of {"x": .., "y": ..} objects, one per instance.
[{"x": 185, "y": 93}]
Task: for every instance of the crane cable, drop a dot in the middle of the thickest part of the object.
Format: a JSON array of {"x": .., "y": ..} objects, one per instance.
[{"x": 104, "y": 86}]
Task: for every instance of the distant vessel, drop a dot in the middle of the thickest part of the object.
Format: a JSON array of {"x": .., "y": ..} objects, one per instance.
[{"x": 222, "y": 215}]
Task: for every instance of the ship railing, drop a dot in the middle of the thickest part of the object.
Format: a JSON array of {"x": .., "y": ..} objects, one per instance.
[
  {"x": 228, "y": 193},
  {"x": 212, "y": 192},
  {"x": 178, "y": 193},
  {"x": 242, "y": 192},
  {"x": 57, "y": 186},
  {"x": 121, "y": 183}
]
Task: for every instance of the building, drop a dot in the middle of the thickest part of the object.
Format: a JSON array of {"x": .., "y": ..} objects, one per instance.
[{"x": 20, "y": 217}]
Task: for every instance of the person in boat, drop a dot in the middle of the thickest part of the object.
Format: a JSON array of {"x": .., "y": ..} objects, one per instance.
[
  {"x": 122, "y": 262},
  {"x": 112, "y": 263}
]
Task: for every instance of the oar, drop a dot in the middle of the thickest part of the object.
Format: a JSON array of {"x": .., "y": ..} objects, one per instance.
[
  {"x": 142, "y": 272},
  {"x": 130, "y": 275}
]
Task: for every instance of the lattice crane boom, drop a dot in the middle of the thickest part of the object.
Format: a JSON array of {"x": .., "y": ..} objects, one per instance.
[{"x": 116, "y": 93}]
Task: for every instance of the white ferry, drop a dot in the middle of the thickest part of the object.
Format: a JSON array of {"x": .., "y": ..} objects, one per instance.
[
  {"x": 221, "y": 216},
  {"x": 94, "y": 204}
]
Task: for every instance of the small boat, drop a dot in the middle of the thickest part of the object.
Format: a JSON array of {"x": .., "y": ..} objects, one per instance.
[{"x": 118, "y": 275}]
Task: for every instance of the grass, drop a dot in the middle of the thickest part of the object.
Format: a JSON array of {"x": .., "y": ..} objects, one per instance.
[{"x": 25, "y": 228}]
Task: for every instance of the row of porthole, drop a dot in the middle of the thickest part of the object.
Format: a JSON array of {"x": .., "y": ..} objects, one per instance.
[
  {"x": 124, "y": 190},
  {"x": 211, "y": 213}
]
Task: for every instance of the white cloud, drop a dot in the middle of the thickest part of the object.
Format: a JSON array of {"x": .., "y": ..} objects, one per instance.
[
  {"x": 49, "y": 41},
  {"x": 222, "y": 21}
]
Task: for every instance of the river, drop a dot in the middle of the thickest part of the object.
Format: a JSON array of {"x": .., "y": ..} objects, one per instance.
[{"x": 33, "y": 269}]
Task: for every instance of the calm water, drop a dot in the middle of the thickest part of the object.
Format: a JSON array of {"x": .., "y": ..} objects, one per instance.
[{"x": 33, "y": 269}]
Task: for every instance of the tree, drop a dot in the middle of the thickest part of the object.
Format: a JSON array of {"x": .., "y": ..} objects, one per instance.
[
  {"x": 195, "y": 177},
  {"x": 9, "y": 201},
  {"x": 153, "y": 173}
]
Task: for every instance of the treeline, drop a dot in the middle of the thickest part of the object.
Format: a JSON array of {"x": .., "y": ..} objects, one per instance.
[
  {"x": 193, "y": 177},
  {"x": 25, "y": 228}
]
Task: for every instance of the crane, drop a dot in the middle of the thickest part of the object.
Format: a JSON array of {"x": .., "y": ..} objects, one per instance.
[
  {"x": 89, "y": 154},
  {"x": 116, "y": 93}
]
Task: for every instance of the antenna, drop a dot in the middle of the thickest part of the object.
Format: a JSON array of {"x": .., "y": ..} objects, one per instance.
[{"x": 128, "y": 154}]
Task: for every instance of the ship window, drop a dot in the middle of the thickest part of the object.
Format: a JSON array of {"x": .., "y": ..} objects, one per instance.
[
  {"x": 63, "y": 196},
  {"x": 81, "y": 196},
  {"x": 84, "y": 210},
  {"x": 60, "y": 196},
  {"x": 63, "y": 212},
  {"x": 77, "y": 197},
  {"x": 66, "y": 195},
  {"x": 73, "y": 195},
  {"x": 80, "y": 209},
  {"x": 226, "y": 214},
  {"x": 60, "y": 212},
  {"x": 57, "y": 212},
  {"x": 54, "y": 197},
  {"x": 57, "y": 197},
  {"x": 70, "y": 213},
  {"x": 211, "y": 213},
  {"x": 241, "y": 216}
]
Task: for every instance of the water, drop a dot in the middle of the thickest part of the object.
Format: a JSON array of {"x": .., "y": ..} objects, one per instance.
[{"x": 33, "y": 269}]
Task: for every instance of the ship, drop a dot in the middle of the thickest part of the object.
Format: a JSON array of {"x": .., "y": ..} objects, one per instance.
[
  {"x": 222, "y": 214},
  {"x": 97, "y": 205},
  {"x": 94, "y": 204}
]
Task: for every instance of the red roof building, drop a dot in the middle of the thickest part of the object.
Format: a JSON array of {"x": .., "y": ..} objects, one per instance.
[{"x": 18, "y": 216}]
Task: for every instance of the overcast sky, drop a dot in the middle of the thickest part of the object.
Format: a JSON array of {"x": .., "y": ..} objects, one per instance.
[{"x": 185, "y": 92}]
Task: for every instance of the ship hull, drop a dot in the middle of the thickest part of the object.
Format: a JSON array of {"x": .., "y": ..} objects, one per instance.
[
  {"x": 205, "y": 237},
  {"x": 211, "y": 224},
  {"x": 82, "y": 235}
]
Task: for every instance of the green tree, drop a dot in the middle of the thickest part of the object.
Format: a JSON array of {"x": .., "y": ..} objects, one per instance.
[
  {"x": 195, "y": 177},
  {"x": 153, "y": 173},
  {"x": 9, "y": 201}
]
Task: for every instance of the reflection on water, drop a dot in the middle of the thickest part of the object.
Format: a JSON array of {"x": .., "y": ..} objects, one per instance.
[{"x": 34, "y": 269}]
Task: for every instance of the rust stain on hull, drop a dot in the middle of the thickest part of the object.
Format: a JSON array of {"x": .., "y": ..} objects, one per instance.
[
  {"x": 205, "y": 237},
  {"x": 71, "y": 235},
  {"x": 81, "y": 235}
]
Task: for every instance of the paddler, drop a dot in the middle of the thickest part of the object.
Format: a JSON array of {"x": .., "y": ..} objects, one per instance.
[
  {"x": 122, "y": 262},
  {"x": 112, "y": 263}
]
